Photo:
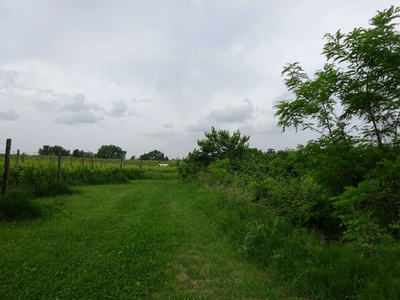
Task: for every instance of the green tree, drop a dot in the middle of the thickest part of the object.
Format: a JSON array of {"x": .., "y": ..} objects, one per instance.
[
  {"x": 53, "y": 150},
  {"x": 217, "y": 146},
  {"x": 221, "y": 144},
  {"x": 46, "y": 150},
  {"x": 371, "y": 89},
  {"x": 81, "y": 153},
  {"x": 354, "y": 103},
  {"x": 110, "y": 151},
  {"x": 88, "y": 154},
  {"x": 356, "y": 91},
  {"x": 77, "y": 153},
  {"x": 153, "y": 155}
]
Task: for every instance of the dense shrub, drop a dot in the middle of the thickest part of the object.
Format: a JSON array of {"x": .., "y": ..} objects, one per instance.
[
  {"x": 349, "y": 195},
  {"x": 133, "y": 173},
  {"x": 44, "y": 189},
  {"x": 18, "y": 205},
  {"x": 316, "y": 268}
]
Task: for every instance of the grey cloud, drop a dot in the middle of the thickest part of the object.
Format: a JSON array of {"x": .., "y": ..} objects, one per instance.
[
  {"x": 119, "y": 110},
  {"x": 266, "y": 128},
  {"x": 51, "y": 101},
  {"x": 159, "y": 134},
  {"x": 143, "y": 99},
  {"x": 7, "y": 78},
  {"x": 8, "y": 115},
  {"x": 170, "y": 58},
  {"x": 70, "y": 110},
  {"x": 168, "y": 125},
  {"x": 47, "y": 106},
  {"x": 232, "y": 114},
  {"x": 284, "y": 96},
  {"x": 76, "y": 118},
  {"x": 202, "y": 125},
  {"x": 76, "y": 103}
]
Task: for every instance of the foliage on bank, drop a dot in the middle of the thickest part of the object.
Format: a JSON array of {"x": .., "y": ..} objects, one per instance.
[{"x": 345, "y": 185}]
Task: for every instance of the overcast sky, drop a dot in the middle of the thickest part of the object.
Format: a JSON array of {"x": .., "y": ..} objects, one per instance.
[{"x": 155, "y": 75}]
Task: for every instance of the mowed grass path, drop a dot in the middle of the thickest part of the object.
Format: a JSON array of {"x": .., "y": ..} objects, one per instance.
[{"x": 149, "y": 239}]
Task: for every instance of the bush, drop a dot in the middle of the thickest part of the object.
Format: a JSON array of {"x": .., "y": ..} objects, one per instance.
[
  {"x": 318, "y": 270},
  {"x": 220, "y": 170},
  {"x": 51, "y": 189},
  {"x": 18, "y": 205},
  {"x": 372, "y": 208},
  {"x": 133, "y": 173}
]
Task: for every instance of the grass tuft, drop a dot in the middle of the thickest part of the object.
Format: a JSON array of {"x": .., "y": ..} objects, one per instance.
[{"x": 17, "y": 205}]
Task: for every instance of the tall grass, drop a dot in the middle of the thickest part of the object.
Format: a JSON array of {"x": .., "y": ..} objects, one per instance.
[
  {"x": 18, "y": 205},
  {"x": 317, "y": 269}
]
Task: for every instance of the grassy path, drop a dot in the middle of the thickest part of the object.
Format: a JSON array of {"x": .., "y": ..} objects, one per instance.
[{"x": 144, "y": 240}]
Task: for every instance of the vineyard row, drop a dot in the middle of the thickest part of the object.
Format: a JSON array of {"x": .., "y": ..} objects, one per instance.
[{"x": 30, "y": 170}]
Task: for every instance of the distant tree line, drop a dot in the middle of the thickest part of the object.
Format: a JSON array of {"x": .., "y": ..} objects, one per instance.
[
  {"x": 53, "y": 150},
  {"x": 105, "y": 151}
]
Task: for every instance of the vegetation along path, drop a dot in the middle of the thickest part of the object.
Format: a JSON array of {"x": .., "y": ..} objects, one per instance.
[{"x": 149, "y": 239}]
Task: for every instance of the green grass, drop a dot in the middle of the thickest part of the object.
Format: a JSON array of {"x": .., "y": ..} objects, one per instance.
[
  {"x": 102, "y": 243},
  {"x": 315, "y": 268},
  {"x": 149, "y": 239}
]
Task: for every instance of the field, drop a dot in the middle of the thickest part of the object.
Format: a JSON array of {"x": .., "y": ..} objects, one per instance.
[
  {"x": 148, "y": 239},
  {"x": 109, "y": 230},
  {"x": 30, "y": 171}
]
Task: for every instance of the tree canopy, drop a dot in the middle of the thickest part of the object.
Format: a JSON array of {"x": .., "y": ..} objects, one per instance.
[
  {"x": 353, "y": 101},
  {"x": 81, "y": 153},
  {"x": 154, "y": 155},
  {"x": 218, "y": 146},
  {"x": 221, "y": 144},
  {"x": 356, "y": 92},
  {"x": 53, "y": 150},
  {"x": 111, "y": 151}
]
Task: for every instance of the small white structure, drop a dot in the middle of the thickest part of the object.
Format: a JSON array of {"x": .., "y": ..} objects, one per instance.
[{"x": 163, "y": 165}]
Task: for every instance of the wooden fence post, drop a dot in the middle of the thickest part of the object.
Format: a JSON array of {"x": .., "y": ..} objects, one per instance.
[
  {"x": 16, "y": 164},
  {"x": 6, "y": 175},
  {"x": 17, "y": 158},
  {"x": 59, "y": 164}
]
